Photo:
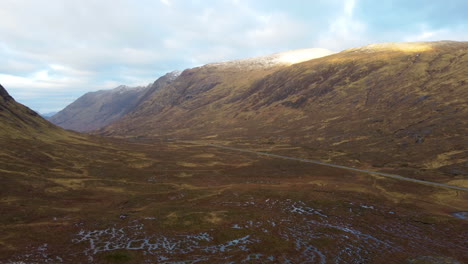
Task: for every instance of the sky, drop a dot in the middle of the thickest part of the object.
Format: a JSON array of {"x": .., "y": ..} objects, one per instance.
[{"x": 54, "y": 51}]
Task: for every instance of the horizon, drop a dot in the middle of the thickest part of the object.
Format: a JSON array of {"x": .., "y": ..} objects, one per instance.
[{"x": 55, "y": 55}]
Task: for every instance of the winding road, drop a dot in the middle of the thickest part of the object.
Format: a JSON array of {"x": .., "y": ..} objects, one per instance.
[{"x": 388, "y": 175}]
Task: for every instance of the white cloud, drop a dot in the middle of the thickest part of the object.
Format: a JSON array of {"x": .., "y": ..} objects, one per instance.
[
  {"x": 275, "y": 29},
  {"x": 427, "y": 33},
  {"x": 229, "y": 30},
  {"x": 166, "y": 2},
  {"x": 349, "y": 6},
  {"x": 345, "y": 30}
]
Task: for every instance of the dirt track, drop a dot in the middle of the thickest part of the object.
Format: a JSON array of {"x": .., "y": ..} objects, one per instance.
[{"x": 388, "y": 175}]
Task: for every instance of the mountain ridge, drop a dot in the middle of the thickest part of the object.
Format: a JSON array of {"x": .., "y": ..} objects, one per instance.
[
  {"x": 407, "y": 98},
  {"x": 94, "y": 110},
  {"x": 289, "y": 57}
]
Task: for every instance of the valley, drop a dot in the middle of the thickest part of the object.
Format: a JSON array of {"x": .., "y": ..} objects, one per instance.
[{"x": 354, "y": 157}]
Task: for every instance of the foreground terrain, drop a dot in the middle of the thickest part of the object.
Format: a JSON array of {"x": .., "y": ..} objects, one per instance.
[{"x": 150, "y": 201}]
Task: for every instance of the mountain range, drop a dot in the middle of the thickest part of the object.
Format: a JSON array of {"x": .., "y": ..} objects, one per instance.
[{"x": 406, "y": 98}]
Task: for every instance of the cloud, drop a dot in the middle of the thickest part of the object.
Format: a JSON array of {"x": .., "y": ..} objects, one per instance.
[
  {"x": 345, "y": 30},
  {"x": 166, "y": 2},
  {"x": 427, "y": 33}
]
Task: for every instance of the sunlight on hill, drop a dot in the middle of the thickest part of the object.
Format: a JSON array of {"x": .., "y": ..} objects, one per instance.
[
  {"x": 404, "y": 47},
  {"x": 301, "y": 55}
]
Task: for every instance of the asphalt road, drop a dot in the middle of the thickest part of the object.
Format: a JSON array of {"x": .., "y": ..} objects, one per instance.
[{"x": 388, "y": 175}]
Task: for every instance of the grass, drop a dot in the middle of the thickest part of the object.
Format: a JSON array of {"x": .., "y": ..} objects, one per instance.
[
  {"x": 118, "y": 257},
  {"x": 47, "y": 200}
]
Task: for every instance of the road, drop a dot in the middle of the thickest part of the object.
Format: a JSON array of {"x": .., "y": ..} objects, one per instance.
[{"x": 383, "y": 174}]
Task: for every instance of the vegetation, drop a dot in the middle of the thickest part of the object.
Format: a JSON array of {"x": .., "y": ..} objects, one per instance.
[
  {"x": 408, "y": 99},
  {"x": 74, "y": 198}
]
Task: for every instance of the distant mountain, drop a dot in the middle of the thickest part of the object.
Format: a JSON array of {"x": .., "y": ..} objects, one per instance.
[
  {"x": 49, "y": 114},
  {"x": 385, "y": 105},
  {"x": 98, "y": 109}
]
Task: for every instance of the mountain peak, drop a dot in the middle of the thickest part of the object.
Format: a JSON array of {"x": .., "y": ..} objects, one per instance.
[
  {"x": 173, "y": 75},
  {"x": 4, "y": 94},
  {"x": 124, "y": 89}
]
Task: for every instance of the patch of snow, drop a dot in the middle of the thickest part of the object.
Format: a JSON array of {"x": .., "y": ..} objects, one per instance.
[{"x": 281, "y": 58}]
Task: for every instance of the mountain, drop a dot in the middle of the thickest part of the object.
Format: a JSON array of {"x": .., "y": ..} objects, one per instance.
[
  {"x": 20, "y": 122},
  {"x": 49, "y": 114},
  {"x": 204, "y": 88},
  {"x": 98, "y": 109},
  {"x": 95, "y": 110},
  {"x": 390, "y": 105}
]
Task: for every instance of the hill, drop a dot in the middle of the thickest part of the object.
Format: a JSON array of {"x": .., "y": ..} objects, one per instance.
[
  {"x": 206, "y": 87},
  {"x": 95, "y": 110},
  {"x": 20, "y": 122},
  {"x": 408, "y": 99}
]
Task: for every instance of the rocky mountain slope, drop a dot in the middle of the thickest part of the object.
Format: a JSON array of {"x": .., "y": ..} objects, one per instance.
[
  {"x": 391, "y": 105},
  {"x": 95, "y": 110},
  {"x": 204, "y": 88},
  {"x": 98, "y": 109}
]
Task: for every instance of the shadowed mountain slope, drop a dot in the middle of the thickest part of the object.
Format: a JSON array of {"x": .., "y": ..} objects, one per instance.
[
  {"x": 96, "y": 109},
  {"x": 20, "y": 122},
  {"x": 382, "y": 105}
]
